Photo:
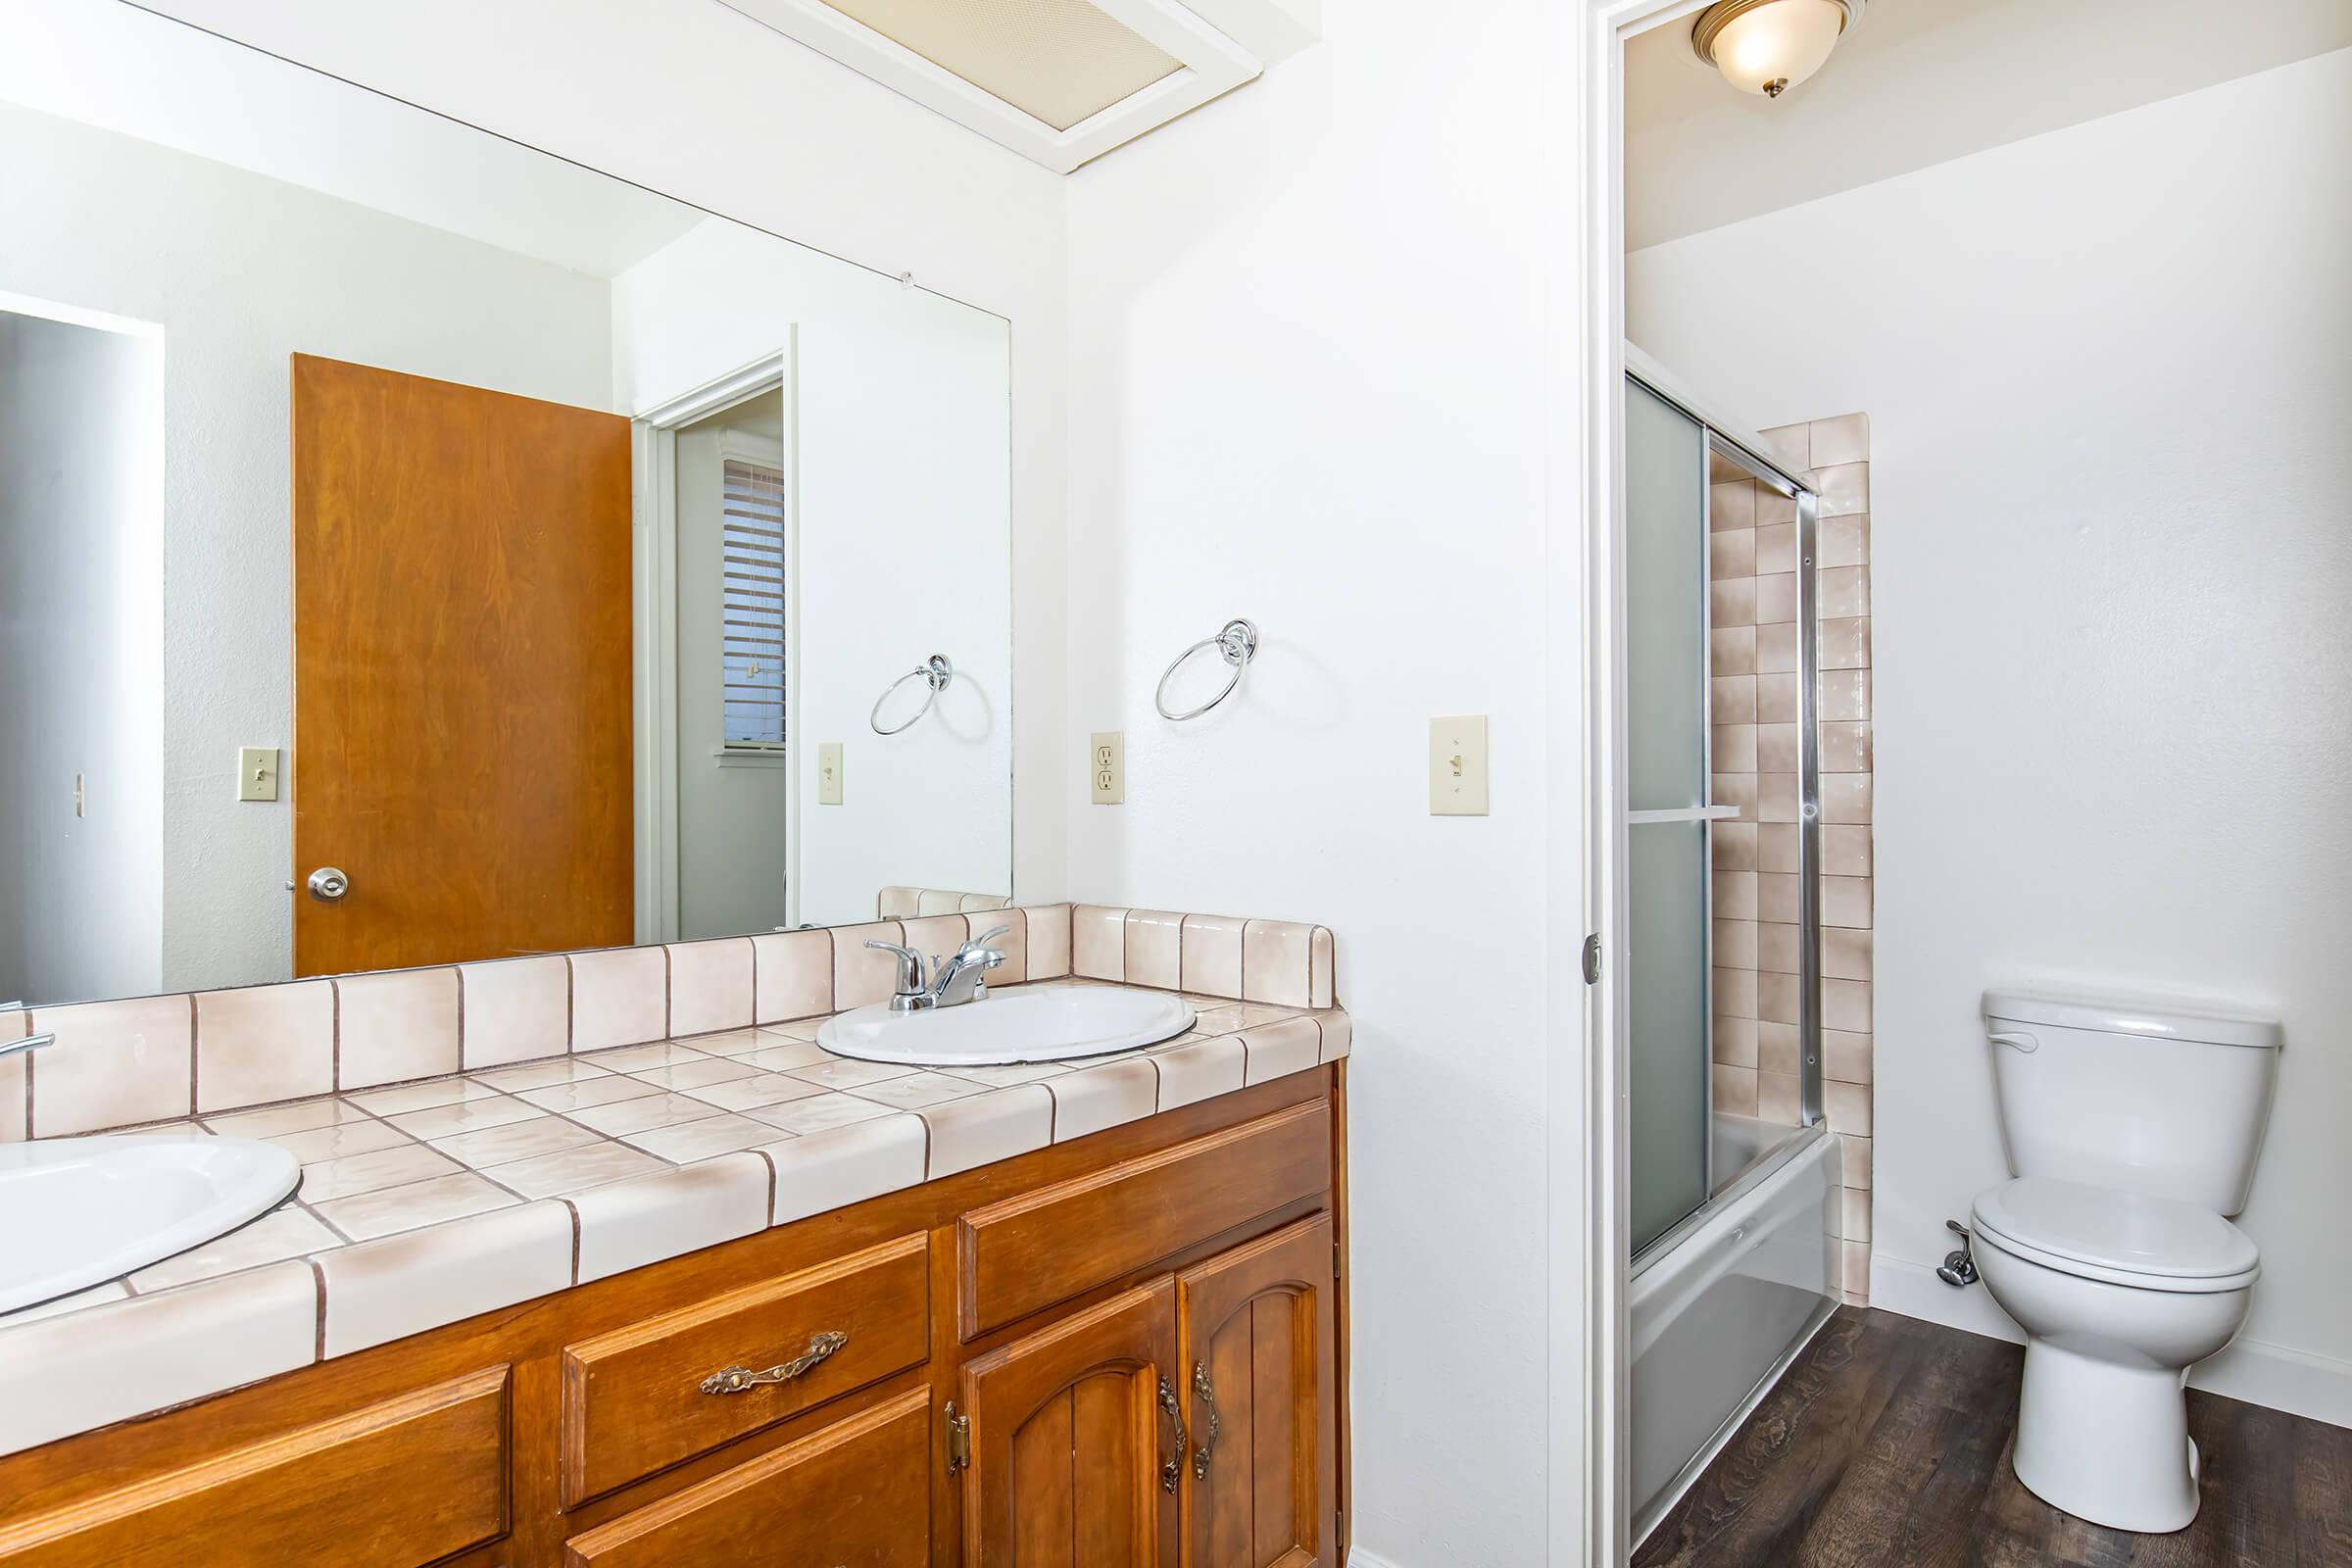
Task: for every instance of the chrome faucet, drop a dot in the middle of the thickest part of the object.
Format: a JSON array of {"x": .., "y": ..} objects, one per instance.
[
  {"x": 11, "y": 1048},
  {"x": 955, "y": 980}
]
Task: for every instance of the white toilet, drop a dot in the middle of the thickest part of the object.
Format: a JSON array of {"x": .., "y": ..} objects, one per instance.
[{"x": 2132, "y": 1133}]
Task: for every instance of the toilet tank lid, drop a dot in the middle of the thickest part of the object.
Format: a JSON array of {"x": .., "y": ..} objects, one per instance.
[{"x": 2155, "y": 1020}]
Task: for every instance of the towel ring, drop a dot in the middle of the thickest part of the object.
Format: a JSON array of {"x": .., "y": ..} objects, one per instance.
[
  {"x": 1237, "y": 641},
  {"x": 936, "y": 672}
]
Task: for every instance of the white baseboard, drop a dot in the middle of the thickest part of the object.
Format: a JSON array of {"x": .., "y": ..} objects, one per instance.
[
  {"x": 1358, "y": 1557},
  {"x": 2294, "y": 1381}
]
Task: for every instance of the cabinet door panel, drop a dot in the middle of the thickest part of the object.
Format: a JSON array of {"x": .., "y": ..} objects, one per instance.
[
  {"x": 1257, "y": 1326},
  {"x": 1069, "y": 1438}
]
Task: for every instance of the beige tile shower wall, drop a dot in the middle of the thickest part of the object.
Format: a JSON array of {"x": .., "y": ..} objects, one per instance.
[{"x": 1752, "y": 568}]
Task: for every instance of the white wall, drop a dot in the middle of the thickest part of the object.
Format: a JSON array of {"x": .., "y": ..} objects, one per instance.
[
  {"x": 1306, "y": 387},
  {"x": 240, "y": 272},
  {"x": 81, "y": 588},
  {"x": 2109, "y": 377}
]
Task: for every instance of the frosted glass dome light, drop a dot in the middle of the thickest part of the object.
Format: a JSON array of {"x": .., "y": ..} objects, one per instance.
[{"x": 1769, "y": 46}]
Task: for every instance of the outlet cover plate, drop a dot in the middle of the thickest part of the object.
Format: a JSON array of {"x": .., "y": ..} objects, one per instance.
[{"x": 1107, "y": 767}]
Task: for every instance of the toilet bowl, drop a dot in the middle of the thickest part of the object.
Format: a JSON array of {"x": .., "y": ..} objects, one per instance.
[{"x": 2120, "y": 1294}]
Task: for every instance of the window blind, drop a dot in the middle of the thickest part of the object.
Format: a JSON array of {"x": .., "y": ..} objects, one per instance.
[{"x": 752, "y": 605}]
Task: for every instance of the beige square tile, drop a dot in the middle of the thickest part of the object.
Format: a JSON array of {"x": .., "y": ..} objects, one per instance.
[
  {"x": 684, "y": 1143},
  {"x": 1733, "y": 748},
  {"x": 1845, "y": 850},
  {"x": 1845, "y": 1056},
  {"x": 1278, "y": 1050},
  {"x": 401, "y": 1284},
  {"x": 1731, "y": 553},
  {"x": 738, "y": 1042},
  {"x": 1212, "y": 954},
  {"x": 1322, "y": 967},
  {"x": 1846, "y": 955},
  {"x": 1780, "y": 1098},
  {"x": 463, "y": 1116},
  {"x": 937, "y": 900},
  {"x": 1734, "y": 789},
  {"x": 1048, "y": 940},
  {"x": 1776, "y": 897},
  {"x": 619, "y": 997},
  {"x": 711, "y": 985},
  {"x": 966, "y": 1133},
  {"x": 1777, "y": 948},
  {"x": 1779, "y": 1049},
  {"x": 1842, "y": 644},
  {"x": 420, "y": 1097},
  {"x": 1775, "y": 698},
  {"x": 628, "y": 1224},
  {"x": 1790, "y": 443},
  {"x": 624, "y": 1116},
  {"x": 374, "y": 1171},
  {"x": 897, "y": 903},
  {"x": 603, "y": 1090},
  {"x": 1732, "y": 650},
  {"x": 115, "y": 1063},
  {"x": 1844, "y": 488},
  {"x": 785, "y": 1055},
  {"x": 542, "y": 1074},
  {"x": 915, "y": 1090},
  {"x": 1778, "y": 998},
  {"x": 1856, "y": 1256},
  {"x": 761, "y": 1089},
  {"x": 637, "y": 1058},
  {"x": 1777, "y": 847},
  {"x": 1098, "y": 943},
  {"x": 1004, "y": 1074},
  {"x": 938, "y": 936},
  {"x": 973, "y": 903},
  {"x": 1200, "y": 1069},
  {"x": 282, "y": 1233},
  {"x": 1096, "y": 1097},
  {"x": 82, "y": 1370},
  {"x": 1854, "y": 1216},
  {"x": 833, "y": 1167},
  {"x": 818, "y": 1114},
  {"x": 394, "y": 1026},
  {"x": 1844, "y": 694},
  {"x": 58, "y": 1305},
  {"x": 1731, "y": 846},
  {"x": 1732, "y": 699},
  {"x": 1735, "y": 894},
  {"x": 1775, "y": 549},
  {"x": 1776, "y": 649},
  {"x": 1845, "y": 748},
  {"x": 1772, "y": 507},
  {"x": 1736, "y": 944},
  {"x": 792, "y": 975},
  {"x": 685, "y": 1075},
  {"x": 1844, "y": 439},
  {"x": 1735, "y": 992},
  {"x": 1776, "y": 598},
  {"x": 1732, "y": 506},
  {"x": 264, "y": 1043},
  {"x": 1278, "y": 963},
  {"x": 1841, "y": 542},
  {"x": 1339, "y": 1034},
  {"x": 1734, "y": 1091},
  {"x": 1846, "y": 1004},
  {"x": 1732, "y": 602},
  {"x": 515, "y": 1009},
  {"x": 1776, "y": 749},
  {"x": 1847, "y": 1107},
  {"x": 1846, "y": 902},
  {"x": 1845, "y": 796},
  {"x": 863, "y": 974},
  {"x": 486, "y": 1147},
  {"x": 841, "y": 1072},
  {"x": 1732, "y": 1041},
  {"x": 1776, "y": 798},
  {"x": 1845, "y": 593},
  {"x": 414, "y": 1205},
  {"x": 277, "y": 1121},
  {"x": 322, "y": 1143},
  {"x": 1154, "y": 948},
  {"x": 1857, "y": 1161},
  {"x": 574, "y": 1170}
]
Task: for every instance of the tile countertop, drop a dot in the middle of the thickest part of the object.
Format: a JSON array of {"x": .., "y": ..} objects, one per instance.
[{"x": 426, "y": 1203}]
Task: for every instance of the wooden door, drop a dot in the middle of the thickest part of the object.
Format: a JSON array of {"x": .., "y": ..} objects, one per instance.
[
  {"x": 1260, "y": 1384},
  {"x": 1076, "y": 1447},
  {"x": 462, "y": 671}
]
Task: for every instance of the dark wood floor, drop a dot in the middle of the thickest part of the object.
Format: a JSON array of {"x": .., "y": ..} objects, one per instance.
[{"x": 1888, "y": 1443}]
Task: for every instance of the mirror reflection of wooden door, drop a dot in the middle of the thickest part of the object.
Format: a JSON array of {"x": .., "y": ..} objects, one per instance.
[{"x": 462, "y": 671}]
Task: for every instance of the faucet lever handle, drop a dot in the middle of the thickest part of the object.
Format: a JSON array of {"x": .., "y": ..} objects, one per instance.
[
  {"x": 910, "y": 967},
  {"x": 981, "y": 941}
]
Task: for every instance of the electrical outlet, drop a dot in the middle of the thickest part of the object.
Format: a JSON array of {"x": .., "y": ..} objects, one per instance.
[
  {"x": 1106, "y": 763},
  {"x": 828, "y": 773},
  {"x": 256, "y": 773},
  {"x": 1457, "y": 766}
]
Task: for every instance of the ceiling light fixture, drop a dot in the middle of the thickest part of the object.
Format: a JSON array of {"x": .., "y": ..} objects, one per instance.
[{"x": 1769, "y": 46}]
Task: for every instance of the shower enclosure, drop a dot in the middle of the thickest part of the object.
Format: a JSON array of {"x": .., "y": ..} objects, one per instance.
[{"x": 1735, "y": 1262}]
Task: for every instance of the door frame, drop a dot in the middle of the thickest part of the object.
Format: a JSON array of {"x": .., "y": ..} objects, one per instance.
[{"x": 654, "y": 640}]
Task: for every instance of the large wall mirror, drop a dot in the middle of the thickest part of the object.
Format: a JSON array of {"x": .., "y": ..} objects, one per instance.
[{"x": 417, "y": 547}]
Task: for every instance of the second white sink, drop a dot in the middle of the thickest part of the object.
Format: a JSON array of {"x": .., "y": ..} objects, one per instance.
[{"x": 1033, "y": 1023}]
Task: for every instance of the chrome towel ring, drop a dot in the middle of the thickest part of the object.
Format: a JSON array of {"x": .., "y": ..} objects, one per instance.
[
  {"x": 934, "y": 671},
  {"x": 1236, "y": 642}
]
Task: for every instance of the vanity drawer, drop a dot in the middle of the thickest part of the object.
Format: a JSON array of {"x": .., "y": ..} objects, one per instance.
[
  {"x": 1030, "y": 1252},
  {"x": 405, "y": 1482},
  {"x": 856, "y": 1495},
  {"x": 643, "y": 1397}
]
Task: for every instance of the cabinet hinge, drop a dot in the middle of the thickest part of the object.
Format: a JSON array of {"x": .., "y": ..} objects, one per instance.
[
  {"x": 1335, "y": 1260},
  {"x": 959, "y": 1440}
]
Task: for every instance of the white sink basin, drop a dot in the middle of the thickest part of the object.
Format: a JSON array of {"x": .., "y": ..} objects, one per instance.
[
  {"x": 76, "y": 1211},
  {"x": 1034, "y": 1023}
]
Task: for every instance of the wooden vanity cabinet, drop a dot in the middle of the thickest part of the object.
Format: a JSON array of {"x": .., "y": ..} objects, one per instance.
[{"x": 1120, "y": 1352}]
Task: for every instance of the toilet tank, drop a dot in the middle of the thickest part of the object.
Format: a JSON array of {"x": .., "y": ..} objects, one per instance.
[{"x": 2146, "y": 1099}]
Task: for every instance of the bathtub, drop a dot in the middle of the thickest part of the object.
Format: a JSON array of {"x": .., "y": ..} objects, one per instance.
[{"x": 1721, "y": 1303}]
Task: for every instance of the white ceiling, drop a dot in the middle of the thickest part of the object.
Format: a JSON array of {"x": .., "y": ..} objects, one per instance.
[{"x": 1922, "y": 81}]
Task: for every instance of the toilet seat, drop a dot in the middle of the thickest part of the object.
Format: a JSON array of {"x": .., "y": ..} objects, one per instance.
[{"x": 2119, "y": 1238}]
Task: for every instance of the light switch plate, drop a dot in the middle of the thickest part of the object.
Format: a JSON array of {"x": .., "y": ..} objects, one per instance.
[
  {"x": 1457, "y": 766},
  {"x": 828, "y": 773},
  {"x": 1107, "y": 761},
  {"x": 256, "y": 773}
]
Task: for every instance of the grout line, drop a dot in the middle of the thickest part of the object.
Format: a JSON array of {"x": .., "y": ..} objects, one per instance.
[
  {"x": 195, "y": 1060},
  {"x": 318, "y": 1276},
  {"x": 571, "y": 1208},
  {"x": 334, "y": 1035}
]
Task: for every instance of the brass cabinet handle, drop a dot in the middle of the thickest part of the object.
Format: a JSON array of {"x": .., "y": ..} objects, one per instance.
[
  {"x": 1170, "y": 1470},
  {"x": 1208, "y": 1396},
  {"x": 738, "y": 1379}
]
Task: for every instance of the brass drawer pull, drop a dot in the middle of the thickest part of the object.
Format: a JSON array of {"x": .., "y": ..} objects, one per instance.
[
  {"x": 738, "y": 1379},
  {"x": 1171, "y": 1470},
  {"x": 1208, "y": 1396}
]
